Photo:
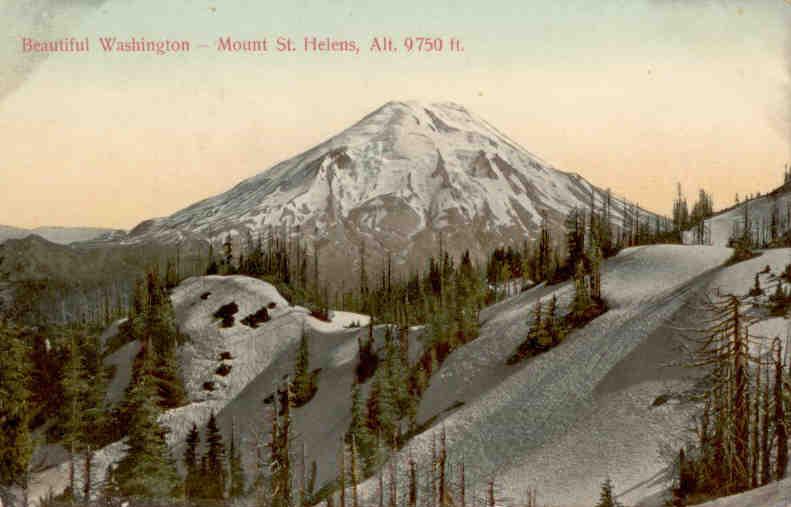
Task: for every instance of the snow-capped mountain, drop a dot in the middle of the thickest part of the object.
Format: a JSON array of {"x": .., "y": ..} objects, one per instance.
[{"x": 395, "y": 180}]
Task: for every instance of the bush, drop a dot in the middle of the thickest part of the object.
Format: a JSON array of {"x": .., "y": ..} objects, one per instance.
[
  {"x": 756, "y": 290},
  {"x": 367, "y": 360},
  {"x": 226, "y": 313},
  {"x": 223, "y": 370},
  {"x": 205, "y": 295},
  {"x": 209, "y": 386},
  {"x": 320, "y": 313},
  {"x": 741, "y": 251},
  {"x": 225, "y": 356},
  {"x": 303, "y": 396},
  {"x": 252, "y": 320}
]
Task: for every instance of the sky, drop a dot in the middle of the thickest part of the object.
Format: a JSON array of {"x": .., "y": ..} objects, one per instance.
[{"x": 634, "y": 95}]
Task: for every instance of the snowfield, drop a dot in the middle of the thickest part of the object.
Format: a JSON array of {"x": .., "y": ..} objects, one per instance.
[
  {"x": 721, "y": 227},
  {"x": 569, "y": 418},
  {"x": 777, "y": 494},
  {"x": 603, "y": 403}
]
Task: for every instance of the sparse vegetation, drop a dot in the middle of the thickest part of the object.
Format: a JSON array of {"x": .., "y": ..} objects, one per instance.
[
  {"x": 252, "y": 320},
  {"x": 304, "y": 384},
  {"x": 226, "y": 313}
]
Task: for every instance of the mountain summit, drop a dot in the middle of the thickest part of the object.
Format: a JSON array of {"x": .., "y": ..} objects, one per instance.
[{"x": 395, "y": 180}]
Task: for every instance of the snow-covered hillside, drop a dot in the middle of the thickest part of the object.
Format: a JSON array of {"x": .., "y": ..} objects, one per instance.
[
  {"x": 585, "y": 410},
  {"x": 722, "y": 226},
  {"x": 600, "y": 404},
  {"x": 777, "y": 494}
]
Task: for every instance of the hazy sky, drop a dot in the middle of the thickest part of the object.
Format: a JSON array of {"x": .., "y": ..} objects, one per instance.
[{"x": 632, "y": 94}]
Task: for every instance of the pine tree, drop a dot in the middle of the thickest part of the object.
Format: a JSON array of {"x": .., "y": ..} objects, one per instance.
[
  {"x": 781, "y": 431},
  {"x": 607, "y": 497},
  {"x": 724, "y": 352},
  {"x": 595, "y": 256},
  {"x": 575, "y": 236},
  {"x": 235, "y": 470},
  {"x": 542, "y": 338},
  {"x": 766, "y": 468},
  {"x": 74, "y": 391},
  {"x": 382, "y": 416},
  {"x": 304, "y": 388},
  {"x": 757, "y": 290},
  {"x": 281, "y": 481},
  {"x": 412, "y": 482},
  {"x": 110, "y": 489},
  {"x": 216, "y": 474},
  {"x": 227, "y": 260},
  {"x": 147, "y": 470},
  {"x": 193, "y": 480},
  {"x": 582, "y": 298},
  {"x": 153, "y": 320},
  {"x": 544, "y": 246},
  {"x": 342, "y": 473},
  {"x": 396, "y": 370},
  {"x": 16, "y": 444},
  {"x": 358, "y": 428},
  {"x": 554, "y": 324},
  {"x": 96, "y": 415}
]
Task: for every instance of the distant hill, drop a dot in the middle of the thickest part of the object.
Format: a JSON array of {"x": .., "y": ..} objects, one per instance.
[
  {"x": 59, "y": 235},
  {"x": 759, "y": 212}
]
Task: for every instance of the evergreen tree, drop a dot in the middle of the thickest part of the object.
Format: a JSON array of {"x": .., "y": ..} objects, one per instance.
[
  {"x": 607, "y": 496},
  {"x": 281, "y": 481},
  {"x": 236, "y": 472},
  {"x": 303, "y": 387},
  {"x": 153, "y": 320},
  {"x": 757, "y": 290},
  {"x": 554, "y": 325},
  {"x": 595, "y": 257},
  {"x": 147, "y": 470},
  {"x": 396, "y": 371},
  {"x": 96, "y": 415},
  {"x": 582, "y": 299},
  {"x": 16, "y": 444},
  {"x": 193, "y": 480},
  {"x": 382, "y": 414},
  {"x": 358, "y": 428},
  {"x": 74, "y": 392},
  {"x": 575, "y": 236},
  {"x": 781, "y": 430},
  {"x": 110, "y": 489},
  {"x": 543, "y": 268},
  {"x": 542, "y": 338},
  {"x": 227, "y": 259},
  {"x": 214, "y": 480},
  {"x": 211, "y": 267}
]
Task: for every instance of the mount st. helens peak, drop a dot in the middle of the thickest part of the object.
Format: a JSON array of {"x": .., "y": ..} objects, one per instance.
[{"x": 395, "y": 180}]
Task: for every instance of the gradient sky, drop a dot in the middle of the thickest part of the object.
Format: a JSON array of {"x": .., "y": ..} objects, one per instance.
[{"x": 634, "y": 95}]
